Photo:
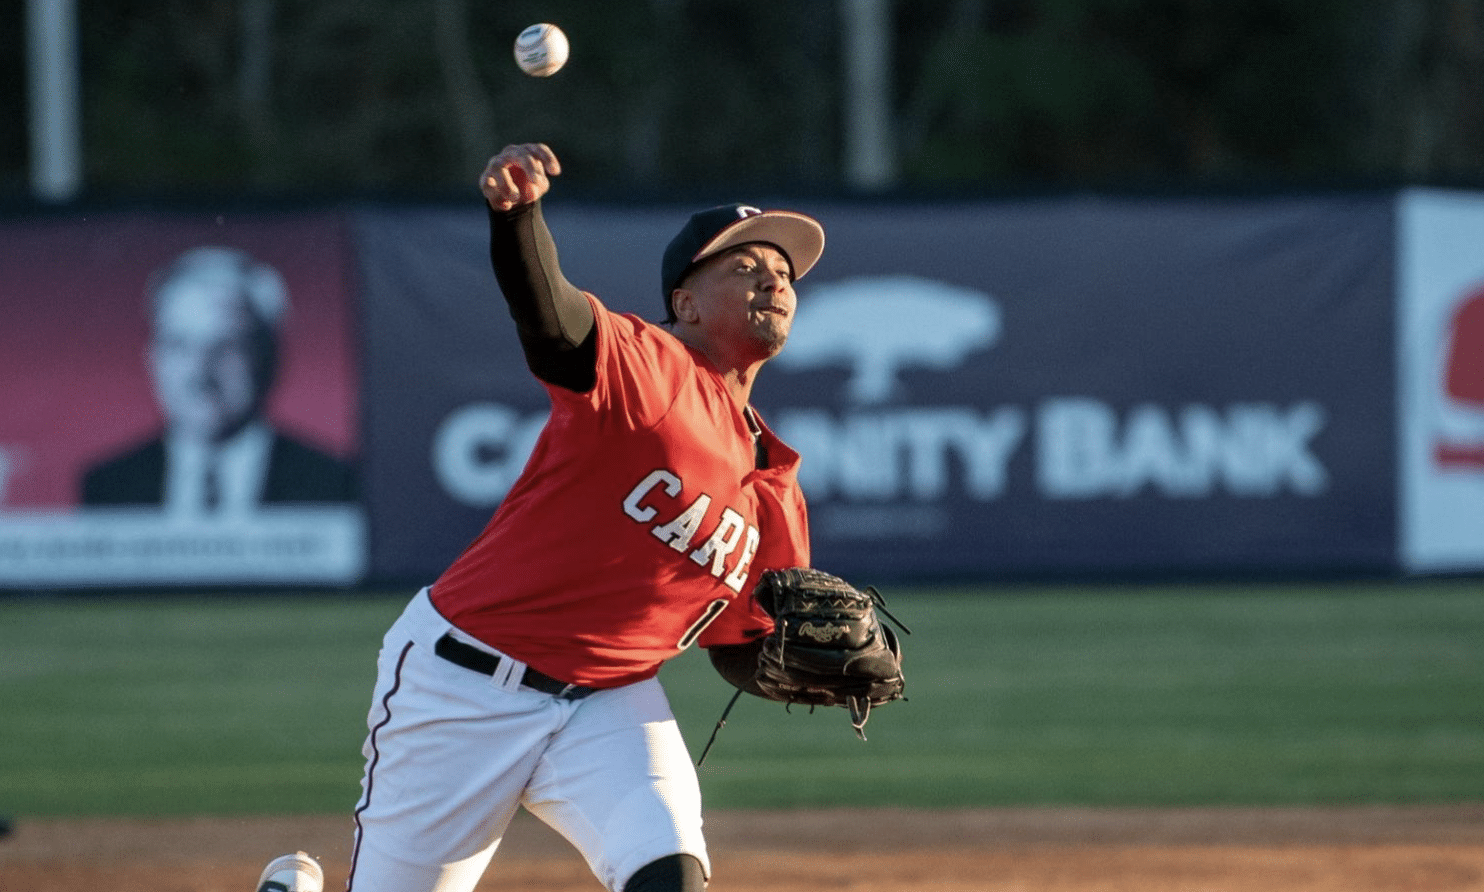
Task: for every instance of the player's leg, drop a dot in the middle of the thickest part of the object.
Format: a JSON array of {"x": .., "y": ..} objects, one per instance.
[
  {"x": 672, "y": 873},
  {"x": 618, "y": 783},
  {"x": 447, "y": 756}
]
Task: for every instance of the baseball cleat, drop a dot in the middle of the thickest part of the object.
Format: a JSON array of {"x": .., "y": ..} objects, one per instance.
[{"x": 292, "y": 873}]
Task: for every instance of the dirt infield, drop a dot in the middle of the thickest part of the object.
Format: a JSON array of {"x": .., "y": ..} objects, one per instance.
[{"x": 1431, "y": 849}]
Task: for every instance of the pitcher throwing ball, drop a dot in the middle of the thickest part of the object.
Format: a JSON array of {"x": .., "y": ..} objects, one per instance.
[{"x": 654, "y": 502}]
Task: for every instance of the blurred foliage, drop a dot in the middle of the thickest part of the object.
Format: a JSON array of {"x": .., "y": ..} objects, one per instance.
[{"x": 330, "y": 96}]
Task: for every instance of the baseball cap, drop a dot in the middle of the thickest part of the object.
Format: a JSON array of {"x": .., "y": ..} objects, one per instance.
[{"x": 708, "y": 232}]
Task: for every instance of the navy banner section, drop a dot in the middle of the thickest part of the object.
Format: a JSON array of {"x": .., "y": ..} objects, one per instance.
[
  {"x": 1088, "y": 385},
  {"x": 1067, "y": 385}
]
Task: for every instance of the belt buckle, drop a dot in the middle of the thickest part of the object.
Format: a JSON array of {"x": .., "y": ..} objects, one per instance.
[{"x": 565, "y": 691}]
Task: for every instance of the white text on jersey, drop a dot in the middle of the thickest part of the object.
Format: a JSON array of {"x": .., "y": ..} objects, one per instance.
[{"x": 680, "y": 531}]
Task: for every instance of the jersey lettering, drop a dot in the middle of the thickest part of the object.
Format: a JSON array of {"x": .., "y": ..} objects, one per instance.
[
  {"x": 738, "y": 576},
  {"x": 680, "y": 531},
  {"x": 722, "y": 543},
  {"x": 713, "y": 610},
  {"x": 655, "y": 478}
]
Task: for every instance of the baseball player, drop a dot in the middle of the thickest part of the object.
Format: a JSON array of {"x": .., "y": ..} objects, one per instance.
[{"x": 525, "y": 675}]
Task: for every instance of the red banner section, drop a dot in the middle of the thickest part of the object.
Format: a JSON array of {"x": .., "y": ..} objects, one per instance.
[{"x": 174, "y": 384}]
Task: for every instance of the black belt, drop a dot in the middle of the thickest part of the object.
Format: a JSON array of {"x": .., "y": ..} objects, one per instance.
[{"x": 486, "y": 663}]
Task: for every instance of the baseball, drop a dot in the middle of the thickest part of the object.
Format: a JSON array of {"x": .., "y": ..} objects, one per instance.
[{"x": 541, "y": 50}]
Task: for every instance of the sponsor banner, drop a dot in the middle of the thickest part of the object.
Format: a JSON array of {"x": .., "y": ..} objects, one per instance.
[
  {"x": 1093, "y": 385},
  {"x": 168, "y": 370},
  {"x": 1074, "y": 384},
  {"x": 1440, "y": 289}
]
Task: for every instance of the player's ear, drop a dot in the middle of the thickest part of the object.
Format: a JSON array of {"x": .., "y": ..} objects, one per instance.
[{"x": 684, "y": 302}]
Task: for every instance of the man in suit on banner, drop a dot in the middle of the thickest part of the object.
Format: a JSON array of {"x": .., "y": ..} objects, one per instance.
[{"x": 216, "y": 316}]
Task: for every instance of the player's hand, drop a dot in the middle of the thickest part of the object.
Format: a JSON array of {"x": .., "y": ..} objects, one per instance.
[{"x": 519, "y": 175}]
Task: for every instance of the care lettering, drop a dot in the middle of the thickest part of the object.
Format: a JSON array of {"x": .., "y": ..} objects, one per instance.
[{"x": 733, "y": 536}]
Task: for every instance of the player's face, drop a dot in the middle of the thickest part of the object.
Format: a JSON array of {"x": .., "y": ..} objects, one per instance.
[
  {"x": 204, "y": 361},
  {"x": 744, "y": 297}
]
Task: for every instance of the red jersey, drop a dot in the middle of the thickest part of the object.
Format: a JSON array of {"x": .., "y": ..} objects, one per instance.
[{"x": 639, "y": 525}]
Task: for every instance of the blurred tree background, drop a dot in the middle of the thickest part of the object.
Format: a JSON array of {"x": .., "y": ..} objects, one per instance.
[{"x": 325, "y": 97}]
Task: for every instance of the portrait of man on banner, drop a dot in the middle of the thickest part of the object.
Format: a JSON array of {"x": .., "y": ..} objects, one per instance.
[
  {"x": 216, "y": 315},
  {"x": 185, "y": 398}
]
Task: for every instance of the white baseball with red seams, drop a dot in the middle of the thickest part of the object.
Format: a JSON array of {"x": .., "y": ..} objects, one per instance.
[{"x": 541, "y": 50}]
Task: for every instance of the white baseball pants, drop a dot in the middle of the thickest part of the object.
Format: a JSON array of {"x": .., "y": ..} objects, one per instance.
[{"x": 451, "y": 755}]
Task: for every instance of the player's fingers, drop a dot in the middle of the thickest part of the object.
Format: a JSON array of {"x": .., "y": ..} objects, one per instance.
[
  {"x": 506, "y": 182},
  {"x": 519, "y": 175},
  {"x": 541, "y": 152},
  {"x": 498, "y": 186},
  {"x": 534, "y": 164}
]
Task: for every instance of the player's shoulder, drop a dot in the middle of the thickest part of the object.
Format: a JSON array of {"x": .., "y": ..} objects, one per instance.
[
  {"x": 642, "y": 367},
  {"x": 632, "y": 331}
]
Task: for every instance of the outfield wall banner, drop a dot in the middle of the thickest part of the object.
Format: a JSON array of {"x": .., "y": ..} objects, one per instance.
[
  {"x": 1094, "y": 385},
  {"x": 1067, "y": 384},
  {"x": 106, "y": 478},
  {"x": 1440, "y": 305}
]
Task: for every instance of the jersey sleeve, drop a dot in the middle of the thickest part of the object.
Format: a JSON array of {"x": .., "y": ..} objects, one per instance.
[{"x": 638, "y": 370}]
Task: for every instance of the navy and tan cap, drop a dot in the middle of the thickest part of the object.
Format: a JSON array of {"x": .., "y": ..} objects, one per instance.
[{"x": 708, "y": 232}]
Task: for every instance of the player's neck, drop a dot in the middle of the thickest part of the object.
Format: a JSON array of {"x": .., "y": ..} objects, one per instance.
[
  {"x": 739, "y": 383},
  {"x": 737, "y": 369},
  {"x": 737, "y": 378}
]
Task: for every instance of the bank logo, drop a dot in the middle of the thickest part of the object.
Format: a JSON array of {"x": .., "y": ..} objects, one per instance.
[
  {"x": 878, "y": 326},
  {"x": 891, "y": 463}
]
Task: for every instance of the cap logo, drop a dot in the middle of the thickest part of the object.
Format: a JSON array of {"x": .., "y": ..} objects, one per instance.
[{"x": 747, "y": 210}]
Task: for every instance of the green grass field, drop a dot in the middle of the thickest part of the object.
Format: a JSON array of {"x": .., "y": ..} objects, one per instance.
[{"x": 1272, "y": 694}]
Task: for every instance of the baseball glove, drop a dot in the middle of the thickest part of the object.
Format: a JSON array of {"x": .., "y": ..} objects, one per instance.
[{"x": 828, "y": 647}]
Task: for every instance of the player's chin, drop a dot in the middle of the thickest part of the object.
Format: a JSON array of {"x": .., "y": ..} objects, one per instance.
[{"x": 772, "y": 334}]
